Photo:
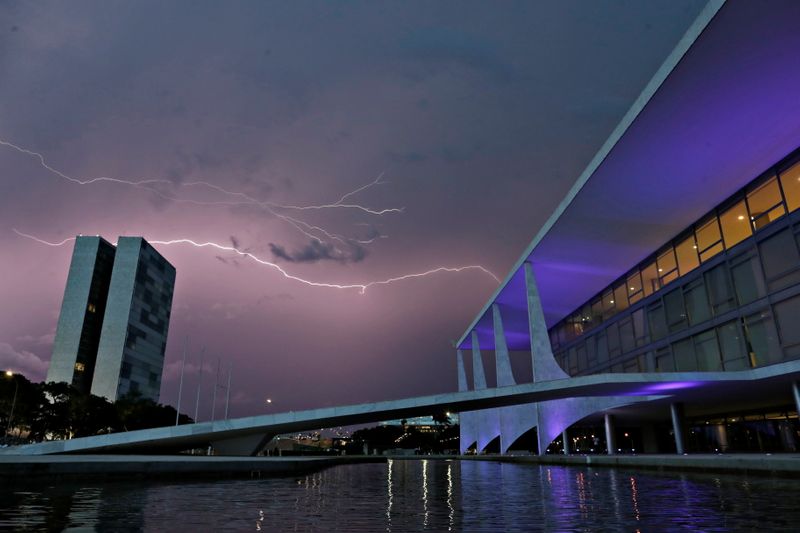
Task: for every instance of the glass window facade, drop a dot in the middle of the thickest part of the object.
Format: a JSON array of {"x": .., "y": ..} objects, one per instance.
[{"x": 724, "y": 295}]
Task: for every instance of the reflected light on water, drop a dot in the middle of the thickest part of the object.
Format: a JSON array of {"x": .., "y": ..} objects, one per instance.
[
  {"x": 430, "y": 495},
  {"x": 450, "y": 509},
  {"x": 425, "y": 491},
  {"x": 390, "y": 496}
]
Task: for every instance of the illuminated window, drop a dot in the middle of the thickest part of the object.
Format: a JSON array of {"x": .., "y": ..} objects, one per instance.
[
  {"x": 790, "y": 181},
  {"x": 650, "y": 279},
  {"x": 765, "y": 204},
  {"x": 667, "y": 266},
  {"x": 735, "y": 225},
  {"x": 709, "y": 239},
  {"x": 688, "y": 259},
  {"x": 634, "y": 287},
  {"x": 92, "y": 308},
  {"x": 621, "y": 297},
  {"x": 80, "y": 367}
]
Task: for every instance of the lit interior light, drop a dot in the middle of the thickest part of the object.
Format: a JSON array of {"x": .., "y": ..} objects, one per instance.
[
  {"x": 741, "y": 217},
  {"x": 661, "y": 270},
  {"x": 633, "y": 289},
  {"x": 611, "y": 301}
]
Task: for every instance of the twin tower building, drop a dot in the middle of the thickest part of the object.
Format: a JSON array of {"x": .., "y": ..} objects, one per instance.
[{"x": 112, "y": 331}]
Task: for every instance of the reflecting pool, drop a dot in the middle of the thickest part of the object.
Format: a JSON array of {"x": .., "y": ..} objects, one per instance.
[{"x": 416, "y": 495}]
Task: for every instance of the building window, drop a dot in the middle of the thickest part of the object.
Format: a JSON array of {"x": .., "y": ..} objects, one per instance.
[
  {"x": 688, "y": 259},
  {"x": 762, "y": 342},
  {"x": 719, "y": 289},
  {"x": 709, "y": 239},
  {"x": 684, "y": 356},
  {"x": 731, "y": 345},
  {"x": 620, "y": 297},
  {"x": 676, "y": 314},
  {"x": 707, "y": 352},
  {"x": 735, "y": 225},
  {"x": 747, "y": 278},
  {"x": 664, "y": 361},
  {"x": 766, "y": 204},
  {"x": 634, "y": 287},
  {"x": 91, "y": 308},
  {"x": 667, "y": 266},
  {"x": 697, "y": 307},
  {"x": 80, "y": 367},
  {"x": 779, "y": 254},
  {"x": 657, "y": 321},
  {"x": 790, "y": 181},
  {"x": 650, "y": 279},
  {"x": 787, "y": 314}
]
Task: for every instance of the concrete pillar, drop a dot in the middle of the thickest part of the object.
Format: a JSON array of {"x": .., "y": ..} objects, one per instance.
[
  {"x": 796, "y": 394},
  {"x": 565, "y": 440},
  {"x": 505, "y": 376},
  {"x": 544, "y": 364},
  {"x": 611, "y": 441},
  {"x": 478, "y": 376},
  {"x": 676, "y": 411},
  {"x": 462, "y": 374}
]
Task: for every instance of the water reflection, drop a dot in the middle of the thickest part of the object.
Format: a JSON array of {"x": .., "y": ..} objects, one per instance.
[{"x": 409, "y": 495}]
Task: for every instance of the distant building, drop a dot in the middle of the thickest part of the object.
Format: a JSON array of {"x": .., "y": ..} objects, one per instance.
[{"x": 112, "y": 331}]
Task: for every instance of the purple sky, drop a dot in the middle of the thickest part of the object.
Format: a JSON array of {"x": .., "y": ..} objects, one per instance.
[{"x": 479, "y": 115}]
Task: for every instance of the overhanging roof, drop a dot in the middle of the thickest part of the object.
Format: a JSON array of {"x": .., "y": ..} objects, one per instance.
[{"x": 722, "y": 108}]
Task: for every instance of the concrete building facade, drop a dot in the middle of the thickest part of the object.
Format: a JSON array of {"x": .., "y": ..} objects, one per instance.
[
  {"x": 677, "y": 250},
  {"x": 112, "y": 331}
]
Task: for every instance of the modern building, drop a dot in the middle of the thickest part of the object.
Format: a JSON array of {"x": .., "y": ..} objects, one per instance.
[
  {"x": 112, "y": 331},
  {"x": 677, "y": 250}
]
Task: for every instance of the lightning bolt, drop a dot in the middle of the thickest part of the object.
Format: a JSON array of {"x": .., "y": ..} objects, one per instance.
[
  {"x": 246, "y": 199},
  {"x": 308, "y": 230},
  {"x": 361, "y": 287}
]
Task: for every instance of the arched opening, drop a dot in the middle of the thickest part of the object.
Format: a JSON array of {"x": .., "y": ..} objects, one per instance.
[
  {"x": 493, "y": 446},
  {"x": 527, "y": 442}
]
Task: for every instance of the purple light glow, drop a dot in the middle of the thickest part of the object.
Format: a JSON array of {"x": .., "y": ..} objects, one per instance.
[{"x": 699, "y": 139}]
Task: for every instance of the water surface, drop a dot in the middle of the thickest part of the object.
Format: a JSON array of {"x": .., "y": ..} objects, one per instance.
[{"x": 427, "y": 495}]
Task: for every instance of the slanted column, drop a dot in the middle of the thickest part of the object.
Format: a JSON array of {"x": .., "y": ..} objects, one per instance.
[
  {"x": 796, "y": 393},
  {"x": 505, "y": 376},
  {"x": 611, "y": 441},
  {"x": 565, "y": 440},
  {"x": 478, "y": 376},
  {"x": 462, "y": 374},
  {"x": 544, "y": 364},
  {"x": 676, "y": 412}
]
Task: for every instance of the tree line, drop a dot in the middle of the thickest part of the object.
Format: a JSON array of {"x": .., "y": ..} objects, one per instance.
[{"x": 57, "y": 411}]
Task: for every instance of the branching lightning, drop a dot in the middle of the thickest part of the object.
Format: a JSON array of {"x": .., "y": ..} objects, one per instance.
[
  {"x": 361, "y": 287},
  {"x": 308, "y": 230}
]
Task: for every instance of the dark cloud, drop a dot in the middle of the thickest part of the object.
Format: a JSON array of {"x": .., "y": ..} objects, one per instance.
[{"x": 316, "y": 251}]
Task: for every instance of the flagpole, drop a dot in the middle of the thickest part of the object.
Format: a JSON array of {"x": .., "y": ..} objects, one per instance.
[
  {"x": 199, "y": 381},
  {"x": 180, "y": 385}
]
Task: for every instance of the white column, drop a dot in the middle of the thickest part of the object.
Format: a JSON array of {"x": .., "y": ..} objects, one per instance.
[
  {"x": 505, "y": 376},
  {"x": 611, "y": 441},
  {"x": 545, "y": 367},
  {"x": 462, "y": 374},
  {"x": 676, "y": 412},
  {"x": 478, "y": 376}
]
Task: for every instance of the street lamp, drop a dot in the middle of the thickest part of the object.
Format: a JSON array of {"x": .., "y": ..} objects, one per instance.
[{"x": 10, "y": 374}]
